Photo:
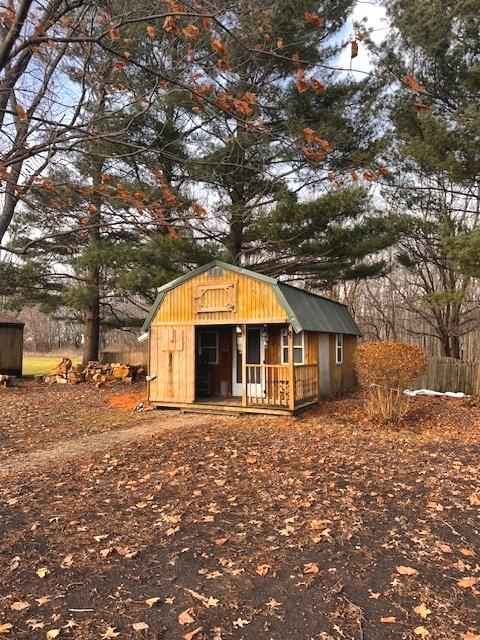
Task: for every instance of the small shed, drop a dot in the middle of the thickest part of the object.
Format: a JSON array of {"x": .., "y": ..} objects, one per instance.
[
  {"x": 11, "y": 346},
  {"x": 227, "y": 338}
]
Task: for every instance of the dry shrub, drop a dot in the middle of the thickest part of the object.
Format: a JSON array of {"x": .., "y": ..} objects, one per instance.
[{"x": 384, "y": 370}]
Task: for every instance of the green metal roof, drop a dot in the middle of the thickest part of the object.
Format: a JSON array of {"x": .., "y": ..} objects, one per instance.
[
  {"x": 317, "y": 313},
  {"x": 307, "y": 311}
]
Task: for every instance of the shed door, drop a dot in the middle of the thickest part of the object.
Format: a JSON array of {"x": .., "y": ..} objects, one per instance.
[{"x": 172, "y": 360}]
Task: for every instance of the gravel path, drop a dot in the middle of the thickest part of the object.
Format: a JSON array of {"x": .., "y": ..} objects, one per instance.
[{"x": 94, "y": 442}]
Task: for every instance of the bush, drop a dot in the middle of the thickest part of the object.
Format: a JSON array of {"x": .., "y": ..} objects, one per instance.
[{"x": 384, "y": 370}]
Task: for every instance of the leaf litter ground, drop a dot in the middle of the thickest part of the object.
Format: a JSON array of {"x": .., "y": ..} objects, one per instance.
[{"x": 322, "y": 526}]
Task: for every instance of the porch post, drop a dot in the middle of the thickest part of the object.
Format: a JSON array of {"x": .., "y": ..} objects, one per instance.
[
  {"x": 291, "y": 370},
  {"x": 244, "y": 365}
]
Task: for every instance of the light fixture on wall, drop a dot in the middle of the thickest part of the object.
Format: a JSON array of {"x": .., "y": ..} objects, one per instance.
[
  {"x": 265, "y": 336},
  {"x": 239, "y": 334}
]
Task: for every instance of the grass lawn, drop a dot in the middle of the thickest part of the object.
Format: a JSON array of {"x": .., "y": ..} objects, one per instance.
[
  {"x": 321, "y": 527},
  {"x": 39, "y": 365}
]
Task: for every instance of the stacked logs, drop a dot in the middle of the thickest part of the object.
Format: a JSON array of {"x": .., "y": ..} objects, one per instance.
[{"x": 96, "y": 372}]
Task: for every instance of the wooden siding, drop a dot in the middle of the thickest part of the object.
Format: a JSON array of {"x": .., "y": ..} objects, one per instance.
[
  {"x": 342, "y": 376},
  {"x": 172, "y": 361},
  {"x": 255, "y": 301},
  {"x": 11, "y": 350}
]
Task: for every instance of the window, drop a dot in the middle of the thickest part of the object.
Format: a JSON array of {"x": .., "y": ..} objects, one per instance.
[
  {"x": 298, "y": 347},
  {"x": 339, "y": 348},
  {"x": 208, "y": 346}
]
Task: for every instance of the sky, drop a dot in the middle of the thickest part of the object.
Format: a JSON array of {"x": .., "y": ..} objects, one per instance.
[{"x": 373, "y": 16}]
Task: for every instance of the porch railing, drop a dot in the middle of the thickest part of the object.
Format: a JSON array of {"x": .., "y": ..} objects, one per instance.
[
  {"x": 305, "y": 383},
  {"x": 268, "y": 384}
]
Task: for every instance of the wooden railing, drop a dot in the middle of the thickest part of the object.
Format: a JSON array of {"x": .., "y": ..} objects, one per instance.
[
  {"x": 268, "y": 384},
  {"x": 305, "y": 383}
]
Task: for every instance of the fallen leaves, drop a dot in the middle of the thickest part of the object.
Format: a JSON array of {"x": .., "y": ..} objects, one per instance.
[
  {"x": 192, "y": 634},
  {"x": 467, "y": 582},
  {"x": 388, "y": 619},
  {"x": 262, "y": 569},
  {"x": 310, "y": 568},
  {"x": 53, "y": 633},
  {"x": 5, "y": 628},
  {"x": 151, "y": 602},
  {"x": 19, "y": 606},
  {"x": 42, "y": 572},
  {"x": 110, "y": 632},
  {"x": 140, "y": 626},
  {"x": 406, "y": 571},
  {"x": 239, "y": 623},
  {"x": 422, "y": 611},
  {"x": 185, "y": 617},
  {"x": 421, "y": 631}
]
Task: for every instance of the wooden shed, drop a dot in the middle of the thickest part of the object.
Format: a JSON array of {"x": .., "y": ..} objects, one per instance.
[
  {"x": 226, "y": 338},
  {"x": 11, "y": 346}
]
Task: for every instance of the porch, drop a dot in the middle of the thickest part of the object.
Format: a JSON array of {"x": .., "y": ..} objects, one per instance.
[{"x": 254, "y": 368}]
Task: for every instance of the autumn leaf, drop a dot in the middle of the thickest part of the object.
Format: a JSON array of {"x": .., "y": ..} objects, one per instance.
[
  {"x": 110, "y": 632},
  {"x": 53, "y": 633},
  {"x": 151, "y": 31},
  {"x": 140, "y": 626},
  {"x": 219, "y": 47},
  {"x": 42, "y": 572},
  {"x": 19, "y": 606},
  {"x": 263, "y": 569},
  {"x": 169, "y": 24},
  {"x": 21, "y": 113},
  {"x": 239, "y": 623},
  {"x": 190, "y": 31},
  {"x": 468, "y": 553},
  {"x": 67, "y": 561},
  {"x": 420, "y": 106},
  {"x": 310, "y": 568},
  {"x": 421, "y": 631},
  {"x": 308, "y": 134},
  {"x": 192, "y": 634},
  {"x": 354, "y": 175},
  {"x": 413, "y": 84},
  {"x": 388, "y": 620},
  {"x": 5, "y": 628},
  {"x": 354, "y": 49},
  {"x": 470, "y": 636},
  {"x": 317, "y": 85},
  {"x": 422, "y": 611},
  {"x": 114, "y": 34},
  {"x": 301, "y": 85},
  {"x": 150, "y": 602},
  {"x": 474, "y": 499},
  {"x": 314, "y": 19},
  {"x": 185, "y": 617},
  {"x": 467, "y": 582}
]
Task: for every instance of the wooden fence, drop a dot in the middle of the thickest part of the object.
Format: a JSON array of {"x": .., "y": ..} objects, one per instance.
[
  {"x": 449, "y": 374},
  {"x": 125, "y": 357}
]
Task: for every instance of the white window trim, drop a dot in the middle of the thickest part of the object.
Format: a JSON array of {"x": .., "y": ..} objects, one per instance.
[
  {"x": 298, "y": 346},
  {"x": 339, "y": 347},
  {"x": 202, "y": 333}
]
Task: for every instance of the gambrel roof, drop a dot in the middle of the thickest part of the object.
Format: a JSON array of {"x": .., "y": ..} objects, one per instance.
[{"x": 306, "y": 311}]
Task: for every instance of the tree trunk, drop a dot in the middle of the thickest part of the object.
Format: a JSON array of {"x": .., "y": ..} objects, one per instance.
[
  {"x": 92, "y": 275},
  {"x": 455, "y": 347},
  {"x": 92, "y": 317}
]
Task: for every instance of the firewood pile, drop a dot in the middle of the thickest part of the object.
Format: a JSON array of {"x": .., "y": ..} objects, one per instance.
[{"x": 96, "y": 372}]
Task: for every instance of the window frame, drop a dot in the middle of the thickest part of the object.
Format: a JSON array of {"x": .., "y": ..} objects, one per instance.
[
  {"x": 339, "y": 345},
  {"x": 284, "y": 347},
  {"x": 201, "y": 346}
]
